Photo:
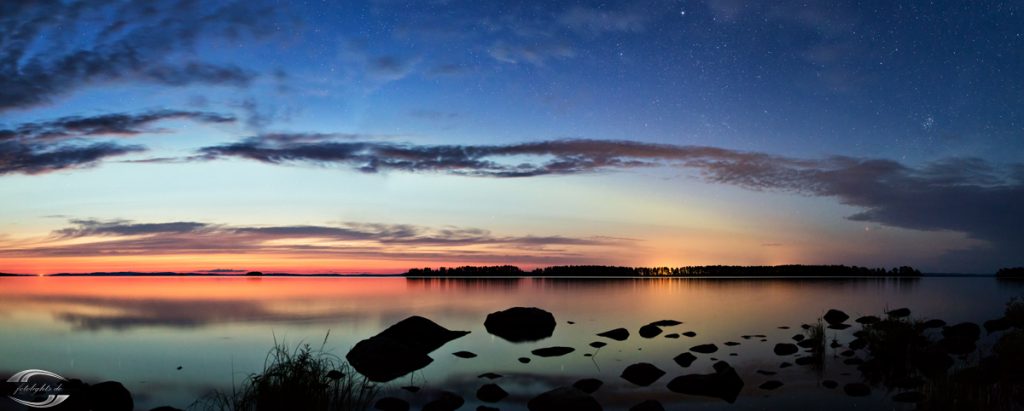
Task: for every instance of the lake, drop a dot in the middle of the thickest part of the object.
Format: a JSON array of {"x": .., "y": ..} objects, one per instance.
[{"x": 139, "y": 331}]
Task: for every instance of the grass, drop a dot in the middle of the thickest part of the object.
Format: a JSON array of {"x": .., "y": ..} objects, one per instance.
[{"x": 296, "y": 378}]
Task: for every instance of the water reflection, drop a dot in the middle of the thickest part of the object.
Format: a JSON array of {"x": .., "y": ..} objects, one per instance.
[{"x": 139, "y": 330}]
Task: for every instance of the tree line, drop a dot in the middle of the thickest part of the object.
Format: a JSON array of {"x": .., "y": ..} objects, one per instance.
[{"x": 689, "y": 271}]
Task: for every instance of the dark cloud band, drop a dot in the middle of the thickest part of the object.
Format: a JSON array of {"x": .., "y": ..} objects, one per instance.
[{"x": 961, "y": 194}]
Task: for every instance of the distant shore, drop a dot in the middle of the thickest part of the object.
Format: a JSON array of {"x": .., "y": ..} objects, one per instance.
[{"x": 582, "y": 272}]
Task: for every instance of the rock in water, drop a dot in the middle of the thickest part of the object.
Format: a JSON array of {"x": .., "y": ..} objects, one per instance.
[
  {"x": 642, "y": 374},
  {"x": 521, "y": 324},
  {"x": 685, "y": 359},
  {"x": 464, "y": 354},
  {"x": 724, "y": 383},
  {"x": 770, "y": 385},
  {"x": 967, "y": 331},
  {"x": 857, "y": 390},
  {"x": 448, "y": 401},
  {"x": 868, "y": 319},
  {"x": 111, "y": 396},
  {"x": 588, "y": 385},
  {"x": 704, "y": 348},
  {"x": 649, "y": 405},
  {"x": 399, "y": 349},
  {"x": 552, "y": 351},
  {"x": 618, "y": 334},
  {"x": 650, "y": 331},
  {"x": 391, "y": 404},
  {"x": 491, "y": 393},
  {"x": 898, "y": 313},
  {"x": 785, "y": 349},
  {"x": 834, "y": 316},
  {"x": 563, "y": 399},
  {"x": 666, "y": 323}
]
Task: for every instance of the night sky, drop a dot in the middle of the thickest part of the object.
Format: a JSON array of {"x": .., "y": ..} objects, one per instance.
[{"x": 376, "y": 136}]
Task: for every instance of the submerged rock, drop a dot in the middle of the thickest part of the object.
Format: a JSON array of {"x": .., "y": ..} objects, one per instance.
[
  {"x": 685, "y": 359},
  {"x": 447, "y": 401},
  {"x": 400, "y": 349},
  {"x": 770, "y": 385},
  {"x": 731, "y": 343},
  {"x": 562, "y": 399},
  {"x": 598, "y": 344},
  {"x": 464, "y": 354},
  {"x": 391, "y": 404},
  {"x": 908, "y": 396},
  {"x": 898, "y": 313},
  {"x": 785, "y": 349},
  {"x": 690, "y": 334},
  {"x": 830, "y": 384},
  {"x": 489, "y": 376},
  {"x": 649, "y": 405},
  {"x": 588, "y": 385},
  {"x": 868, "y": 319},
  {"x": 642, "y": 374},
  {"x": 491, "y": 393},
  {"x": 834, "y": 316},
  {"x": 998, "y": 324},
  {"x": 672, "y": 335},
  {"x": 552, "y": 351},
  {"x": 618, "y": 334},
  {"x": 521, "y": 324},
  {"x": 857, "y": 389},
  {"x": 969, "y": 331},
  {"x": 724, "y": 383},
  {"x": 704, "y": 348}
]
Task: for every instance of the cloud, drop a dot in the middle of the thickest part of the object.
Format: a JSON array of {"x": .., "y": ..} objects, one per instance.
[
  {"x": 52, "y": 48},
  {"x": 597, "y": 21},
  {"x": 87, "y": 237},
  {"x": 16, "y": 157},
  {"x": 105, "y": 124},
  {"x": 966, "y": 195},
  {"x": 44, "y": 146},
  {"x": 537, "y": 54}
]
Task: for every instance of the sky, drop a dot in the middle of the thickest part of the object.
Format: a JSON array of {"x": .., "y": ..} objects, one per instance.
[{"x": 375, "y": 136}]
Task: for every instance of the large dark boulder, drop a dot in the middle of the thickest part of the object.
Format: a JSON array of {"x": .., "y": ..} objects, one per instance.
[
  {"x": 521, "y": 324},
  {"x": 562, "y": 399},
  {"x": 400, "y": 349},
  {"x": 834, "y": 316},
  {"x": 642, "y": 374},
  {"x": 110, "y": 396},
  {"x": 724, "y": 383}
]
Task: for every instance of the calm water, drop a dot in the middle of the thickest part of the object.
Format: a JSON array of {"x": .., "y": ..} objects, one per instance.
[{"x": 140, "y": 330}]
